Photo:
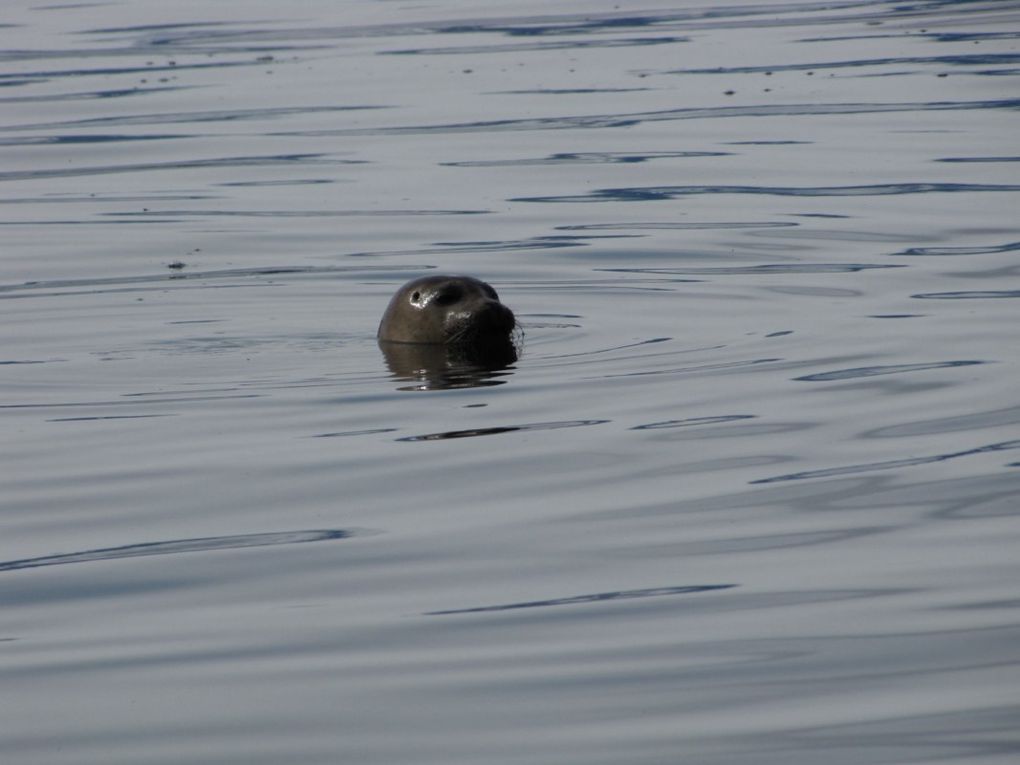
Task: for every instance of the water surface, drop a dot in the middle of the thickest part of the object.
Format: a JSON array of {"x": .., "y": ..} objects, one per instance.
[{"x": 749, "y": 495}]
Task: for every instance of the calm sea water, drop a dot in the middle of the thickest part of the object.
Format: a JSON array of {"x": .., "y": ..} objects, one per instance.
[{"x": 750, "y": 494}]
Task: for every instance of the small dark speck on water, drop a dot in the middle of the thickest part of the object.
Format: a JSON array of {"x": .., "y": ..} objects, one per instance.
[{"x": 176, "y": 265}]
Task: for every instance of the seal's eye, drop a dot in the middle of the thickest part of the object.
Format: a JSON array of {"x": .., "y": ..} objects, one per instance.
[
  {"x": 491, "y": 292},
  {"x": 448, "y": 296},
  {"x": 415, "y": 297}
]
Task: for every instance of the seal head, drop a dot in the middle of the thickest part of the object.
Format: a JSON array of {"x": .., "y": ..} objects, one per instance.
[{"x": 455, "y": 311}]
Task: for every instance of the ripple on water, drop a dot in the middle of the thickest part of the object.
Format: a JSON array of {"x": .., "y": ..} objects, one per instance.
[
  {"x": 599, "y": 597},
  {"x": 177, "y": 546}
]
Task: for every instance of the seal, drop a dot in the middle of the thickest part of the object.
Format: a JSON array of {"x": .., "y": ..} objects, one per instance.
[{"x": 454, "y": 311}]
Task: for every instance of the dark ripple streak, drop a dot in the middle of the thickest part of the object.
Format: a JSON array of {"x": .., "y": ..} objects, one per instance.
[
  {"x": 940, "y": 251},
  {"x": 537, "y": 46},
  {"x": 890, "y": 464},
  {"x": 968, "y": 295},
  {"x": 695, "y": 421},
  {"x": 767, "y": 268},
  {"x": 25, "y": 78},
  {"x": 52, "y": 140},
  {"x": 200, "y": 544},
  {"x": 287, "y": 213},
  {"x": 196, "y": 37},
  {"x": 88, "y": 95},
  {"x": 891, "y": 369},
  {"x": 225, "y": 115},
  {"x": 636, "y": 118},
  {"x": 588, "y": 158},
  {"x": 255, "y": 161},
  {"x": 671, "y": 226},
  {"x": 499, "y": 430},
  {"x": 983, "y": 59},
  {"x": 659, "y": 193},
  {"x": 594, "y": 598}
]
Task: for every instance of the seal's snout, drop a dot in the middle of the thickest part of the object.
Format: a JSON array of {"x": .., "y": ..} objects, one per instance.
[
  {"x": 485, "y": 321},
  {"x": 498, "y": 319}
]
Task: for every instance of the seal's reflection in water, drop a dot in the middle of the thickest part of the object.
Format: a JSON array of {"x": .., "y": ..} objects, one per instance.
[{"x": 442, "y": 367}]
